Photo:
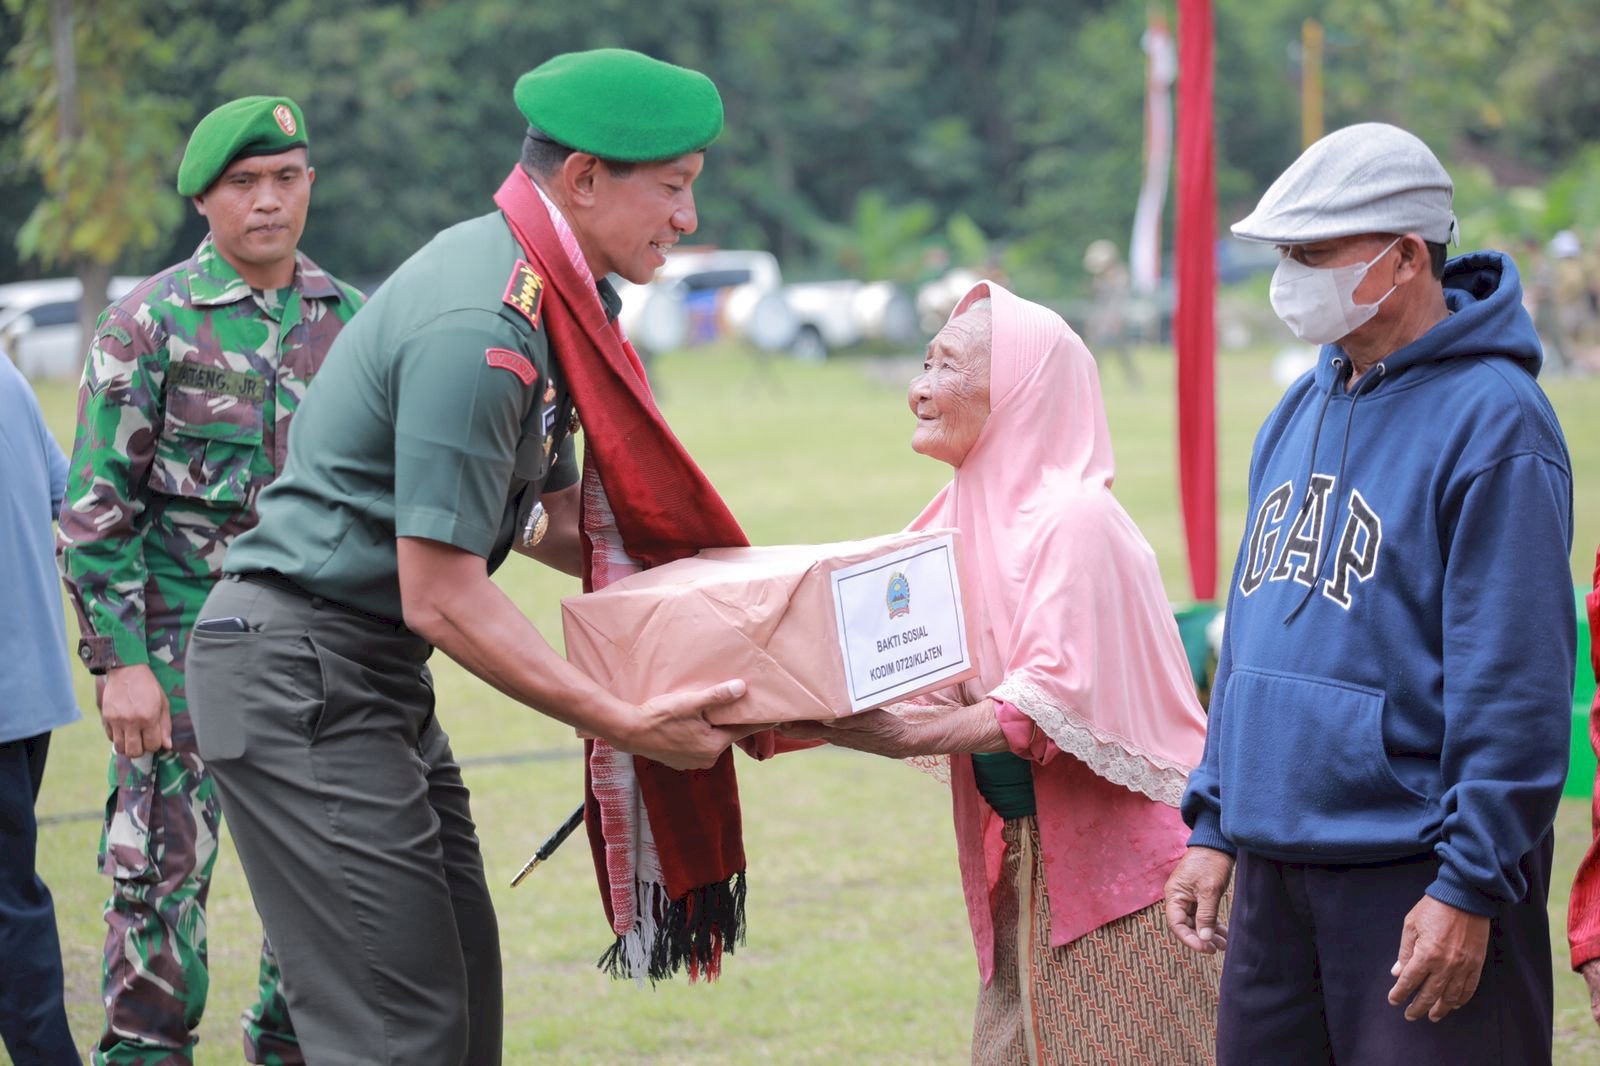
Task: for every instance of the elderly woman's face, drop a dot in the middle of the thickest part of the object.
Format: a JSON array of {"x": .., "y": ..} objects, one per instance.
[{"x": 951, "y": 396}]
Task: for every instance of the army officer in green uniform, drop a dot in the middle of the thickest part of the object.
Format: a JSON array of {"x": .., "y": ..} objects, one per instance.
[{"x": 436, "y": 440}]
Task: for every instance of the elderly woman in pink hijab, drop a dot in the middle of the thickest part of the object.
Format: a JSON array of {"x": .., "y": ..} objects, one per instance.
[{"x": 1068, "y": 755}]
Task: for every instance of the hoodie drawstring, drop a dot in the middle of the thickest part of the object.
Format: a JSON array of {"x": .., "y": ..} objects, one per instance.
[{"x": 1344, "y": 451}]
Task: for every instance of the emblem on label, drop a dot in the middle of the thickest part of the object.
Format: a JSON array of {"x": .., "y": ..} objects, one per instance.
[
  {"x": 524, "y": 291},
  {"x": 516, "y": 362},
  {"x": 898, "y": 596},
  {"x": 285, "y": 119}
]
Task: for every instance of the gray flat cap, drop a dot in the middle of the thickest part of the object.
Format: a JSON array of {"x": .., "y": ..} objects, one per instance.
[{"x": 1368, "y": 178}]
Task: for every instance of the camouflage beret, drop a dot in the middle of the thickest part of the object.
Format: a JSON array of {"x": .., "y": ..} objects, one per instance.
[
  {"x": 250, "y": 125},
  {"x": 620, "y": 105}
]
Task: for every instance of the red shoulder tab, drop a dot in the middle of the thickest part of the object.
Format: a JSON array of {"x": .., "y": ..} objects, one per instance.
[
  {"x": 524, "y": 292},
  {"x": 516, "y": 362}
]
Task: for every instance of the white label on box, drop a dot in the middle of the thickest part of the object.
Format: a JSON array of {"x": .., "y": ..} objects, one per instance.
[{"x": 901, "y": 627}]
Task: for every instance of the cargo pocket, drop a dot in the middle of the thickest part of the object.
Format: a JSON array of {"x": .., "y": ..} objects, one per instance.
[
  {"x": 209, "y": 442},
  {"x": 1305, "y": 771},
  {"x": 126, "y": 846}
]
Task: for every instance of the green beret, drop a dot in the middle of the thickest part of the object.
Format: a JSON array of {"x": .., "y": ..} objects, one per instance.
[
  {"x": 620, "y": 105},
  {"x": 250, "y": 125}
]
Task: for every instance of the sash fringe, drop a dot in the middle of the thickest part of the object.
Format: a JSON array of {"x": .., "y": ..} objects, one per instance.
[{"x": 688, "y": 934}]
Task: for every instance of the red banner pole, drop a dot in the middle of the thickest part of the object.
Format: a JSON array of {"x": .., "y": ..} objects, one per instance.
[{"x": 1194, "y": 327}]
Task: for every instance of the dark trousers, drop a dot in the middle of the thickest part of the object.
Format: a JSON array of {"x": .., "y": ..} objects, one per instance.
[
  {"x": 33, "y": 1017},
  {"x": 353, "y": 827},
  {"x": 1306, "y": 975}
]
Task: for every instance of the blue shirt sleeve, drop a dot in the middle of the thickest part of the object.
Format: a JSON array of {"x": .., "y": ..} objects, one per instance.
[
  {"x": 1202, "y": 799},
  {"x": 1509, "y": 647}
]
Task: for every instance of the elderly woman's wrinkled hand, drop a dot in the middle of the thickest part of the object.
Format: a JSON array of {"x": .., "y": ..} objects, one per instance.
[{"x": 875, "y": 732}]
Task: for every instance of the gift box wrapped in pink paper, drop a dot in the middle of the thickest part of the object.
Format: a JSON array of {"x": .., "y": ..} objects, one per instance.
[{"x": 816, "y": 631}]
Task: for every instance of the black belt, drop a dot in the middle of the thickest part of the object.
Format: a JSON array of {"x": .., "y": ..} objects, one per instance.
[{"x": 273, "y": 580}]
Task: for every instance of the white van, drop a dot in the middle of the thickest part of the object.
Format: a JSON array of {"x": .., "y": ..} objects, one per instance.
[{"x": 39, "y": 324}]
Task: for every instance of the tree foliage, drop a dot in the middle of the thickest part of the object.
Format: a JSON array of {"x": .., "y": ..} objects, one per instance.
[
  {"x": 106, "y": 190},
  {"x": 862, "y": 135}
]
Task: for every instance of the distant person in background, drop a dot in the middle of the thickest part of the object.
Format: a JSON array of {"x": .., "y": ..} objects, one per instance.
[
  {"x": 189, "y": 390},
  {"x": 1067, "y": 756},
  {"x": 1583, "y": 909},
  {"x": 1389, "y": 721},
  {"x": 1539, "y": 297},
  {"x": 37, "y": 700},
  {"x": 1106, "y": 328},
  {"x": 1572, "y": 292}
]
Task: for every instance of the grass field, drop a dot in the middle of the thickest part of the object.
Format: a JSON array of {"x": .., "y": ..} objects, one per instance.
[{"x": 858, "y": 948}]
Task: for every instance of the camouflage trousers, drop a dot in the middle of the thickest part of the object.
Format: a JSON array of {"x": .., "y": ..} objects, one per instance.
[{"x": 158, "y": 845}]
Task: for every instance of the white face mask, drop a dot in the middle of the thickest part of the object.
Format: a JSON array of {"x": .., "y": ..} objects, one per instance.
[{"x": 1318, "y": 304}]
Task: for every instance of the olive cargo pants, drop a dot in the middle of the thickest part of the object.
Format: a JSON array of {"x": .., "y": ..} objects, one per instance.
[{"x": 353, "y": 827}]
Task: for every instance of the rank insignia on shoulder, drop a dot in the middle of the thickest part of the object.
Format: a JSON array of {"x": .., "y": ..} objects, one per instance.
[
  {"x": 524, "y": 292},
  {"x": 516, "y": 362}
]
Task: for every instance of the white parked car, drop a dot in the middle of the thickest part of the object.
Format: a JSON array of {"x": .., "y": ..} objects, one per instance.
[
  {"x": 701, "y": 294},
  {"x": 39, "y": 324}
]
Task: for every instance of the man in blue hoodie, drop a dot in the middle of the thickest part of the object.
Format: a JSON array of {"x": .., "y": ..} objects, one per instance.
[{"x": 1390, "y": 717}]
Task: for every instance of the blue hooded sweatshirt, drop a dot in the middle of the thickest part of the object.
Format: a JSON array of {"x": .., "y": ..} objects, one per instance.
[{"x": 1396, "y": 670}]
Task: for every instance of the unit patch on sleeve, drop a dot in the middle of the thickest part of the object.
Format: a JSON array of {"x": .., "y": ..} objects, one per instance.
[
  {"x": 524, "y": 291},
  {"x": 516, "y": 362}
]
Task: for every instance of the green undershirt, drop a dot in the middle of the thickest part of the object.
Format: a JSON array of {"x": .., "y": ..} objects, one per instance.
[{"x": 1006, "y": 782}]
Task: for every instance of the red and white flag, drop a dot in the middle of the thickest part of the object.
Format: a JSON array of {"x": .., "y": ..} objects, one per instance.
[{"x": 1161, "y": 69}]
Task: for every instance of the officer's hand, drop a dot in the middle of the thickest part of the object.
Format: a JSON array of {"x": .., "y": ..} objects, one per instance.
[
  {"x": 1441, "y": 959},
  {"x": 1591, "y": 977},
  {"x": 134, "y": 711},
  {"x": 672, "y": 729},
  {"x": 1194, "y": 896}
]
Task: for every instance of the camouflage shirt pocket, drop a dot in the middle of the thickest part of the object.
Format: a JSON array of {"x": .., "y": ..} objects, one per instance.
[{"x": 211, "y": 436}]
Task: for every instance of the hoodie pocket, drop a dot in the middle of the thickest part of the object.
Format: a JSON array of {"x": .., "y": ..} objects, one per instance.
[{"x": 1305, "y": 773}]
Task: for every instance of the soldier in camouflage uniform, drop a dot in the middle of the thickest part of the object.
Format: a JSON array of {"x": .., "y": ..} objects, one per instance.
[{"x": 188, "y": 393}]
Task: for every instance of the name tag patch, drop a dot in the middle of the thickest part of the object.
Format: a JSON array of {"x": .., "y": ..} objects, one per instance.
[
  {"x": 524, "y": 292},
  {"x": 219, "y": 381},
  {"x": 516, "y": 362}
]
